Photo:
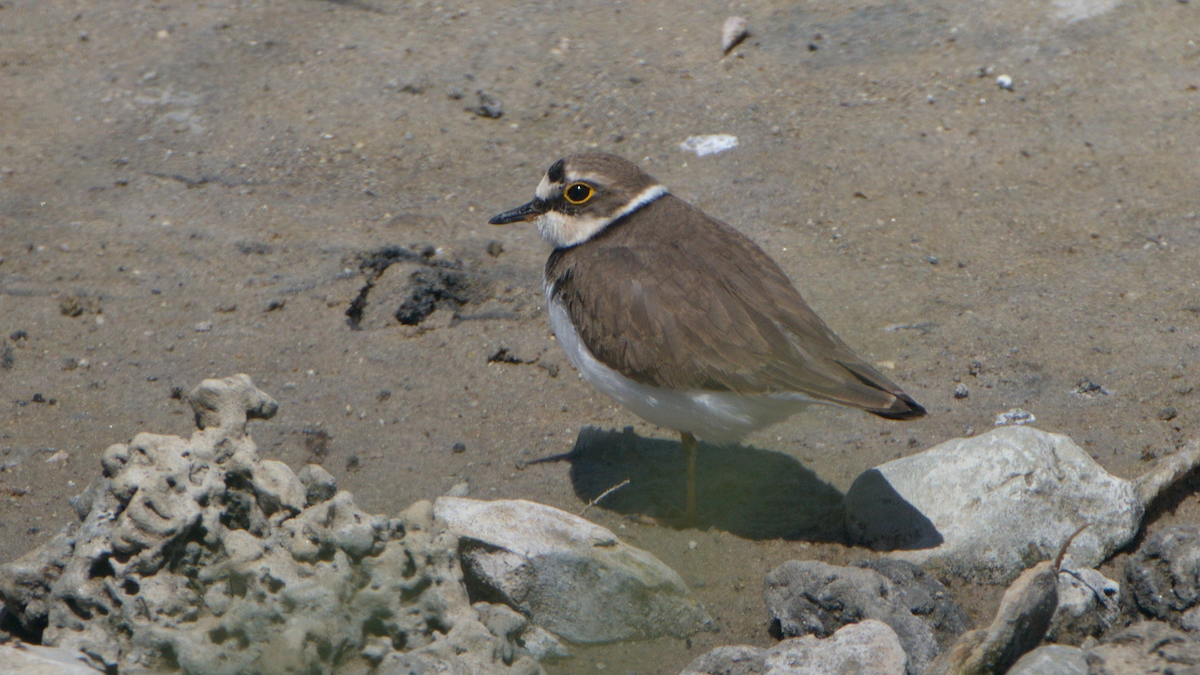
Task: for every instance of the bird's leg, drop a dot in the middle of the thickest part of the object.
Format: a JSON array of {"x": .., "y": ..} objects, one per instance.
[{"x": 689, "y": 449}]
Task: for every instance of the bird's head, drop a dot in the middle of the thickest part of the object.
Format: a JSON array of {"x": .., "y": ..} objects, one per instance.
[{"x": 581, "y": 195}]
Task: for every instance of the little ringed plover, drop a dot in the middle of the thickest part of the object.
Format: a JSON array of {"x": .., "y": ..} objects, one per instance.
[{"x": 681, "y": 318}]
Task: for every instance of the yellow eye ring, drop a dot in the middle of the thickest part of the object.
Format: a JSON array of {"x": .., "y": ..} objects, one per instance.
[{"x": 578, "y": 193}]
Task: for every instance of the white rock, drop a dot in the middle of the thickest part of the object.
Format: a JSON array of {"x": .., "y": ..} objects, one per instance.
[
  {"x": 1078, "y": 10},
  {"x": 733, "y": 32},
  {"x": 709, "y": 145},
  {"x": 278, "y": 487},
  {"x": 18, "y": 658},
  {"x": 990, "y": 506},
  {"x": 542, "y": 645},
  {"x": 729, "y": 660},
  {"x": 1015, "y": 416},
  {"x": 569, "y": 575},
  {"x": 866, "y": 647},
  {"x": 1088, "y": 604},
  {"x": 1051, "y": 660}
]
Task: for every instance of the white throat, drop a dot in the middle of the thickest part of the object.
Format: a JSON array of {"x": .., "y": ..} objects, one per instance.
[{"x": 563, "y": 231}]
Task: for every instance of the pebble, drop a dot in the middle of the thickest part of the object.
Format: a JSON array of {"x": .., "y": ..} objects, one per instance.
[
  {"x": 961, "y": 391},
  {"x": 203, "y": 327},
  {"x": 709, "y": 145},
  {"x": 733, "y": 32},
  {"x": 1016, "y": 416},
  {"x": 1005, "y": 82},
  {"x": 488, "y": 107}
]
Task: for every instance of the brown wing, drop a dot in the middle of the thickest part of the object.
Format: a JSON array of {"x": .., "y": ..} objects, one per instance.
[{"x": 651, "y": 301}]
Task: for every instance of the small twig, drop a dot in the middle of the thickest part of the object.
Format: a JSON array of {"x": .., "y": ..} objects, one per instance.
[
  {"x": 1063, "y": 551},
  {"x": 604, "y": 494}
]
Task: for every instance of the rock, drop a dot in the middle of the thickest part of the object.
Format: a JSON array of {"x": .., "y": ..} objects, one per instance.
[
  {"x": 990, "y": 506},
  {"x": 814, "y": 598},
  {"x": 79, "y": 303},
  {"x": 21, "y": 659},
  {"x": 487, "y": 106},
  {"x": 276, "y": 487},
  {"x": 569, "y": 576},
  {"x": 1146, "y": 647},
  {"x": 867, "y": 647},
  {"x": 924, "y": 596},
  {"x": 319, "y": 484},
  {"x": 1089, "y": 604},
  {"x": 229, "y": 402},
  {"x": 542, "y": 645},
  {"x": 1163, "y": 576},
  {"x": 1051, "y": 660},
  {"x": 1020, "y": 625},
  {"x": 736, "y": 660},
  {"x": 196, "y": 556},
  {"x": 733, "y": 32}
]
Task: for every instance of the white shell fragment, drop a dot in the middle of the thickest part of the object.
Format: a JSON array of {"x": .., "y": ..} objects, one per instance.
[
  {"x": 1004, "y": 82},
  {"x": 709, "y": 145},
  {"x": 734, "y": 31}
]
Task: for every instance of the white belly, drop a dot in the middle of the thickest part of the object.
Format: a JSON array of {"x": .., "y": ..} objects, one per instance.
[{"x": 715, "y": 416}]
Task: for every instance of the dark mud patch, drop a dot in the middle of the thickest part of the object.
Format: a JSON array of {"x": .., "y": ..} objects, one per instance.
[{"x": 429, "y": 284}]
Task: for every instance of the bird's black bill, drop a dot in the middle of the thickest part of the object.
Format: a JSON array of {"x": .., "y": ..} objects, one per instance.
[{"x": 524, "y": 212}]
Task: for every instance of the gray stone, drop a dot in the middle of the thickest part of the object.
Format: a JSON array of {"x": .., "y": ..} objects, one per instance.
[
  {"x": 733, "y": 660},
  {"x": 1089, "y": 604},
  {"x": 814, "y": 598},
  {"x": 1020, "y": 625},
  {"x": 867, "y": 647},
  {"x": 195, "y": 555},
  {"x": 1051, "y": 660},
  {"x": 319, "y": 484},
  {"x": 542, "y": 645},
  {"x": 568, "y": 575},
  {"x": 1146, "y": 647},
  {"x": 990, "y": 506},
  {"x": 1163, "y": 576},
  {"x": 924, "y": 596}
]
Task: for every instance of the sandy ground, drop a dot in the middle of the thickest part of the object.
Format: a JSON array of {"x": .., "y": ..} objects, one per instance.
[{"x": 192, "y": 189}]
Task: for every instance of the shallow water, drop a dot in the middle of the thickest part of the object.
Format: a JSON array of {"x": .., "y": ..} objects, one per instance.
[{"x": 190, "y": 163}]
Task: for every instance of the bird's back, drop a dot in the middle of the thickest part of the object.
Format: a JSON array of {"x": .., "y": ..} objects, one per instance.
[{"x": 679, "y": 300}]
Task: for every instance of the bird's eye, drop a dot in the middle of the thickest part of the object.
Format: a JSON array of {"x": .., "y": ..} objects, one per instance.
[{"x": 578, "y": 193}]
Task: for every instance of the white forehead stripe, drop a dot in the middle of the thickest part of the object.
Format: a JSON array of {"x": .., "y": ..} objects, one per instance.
[
  {"x": 561, "y": 230},
  {"x": 544, "y": 189},
  {"x": 593, "y": 178}
]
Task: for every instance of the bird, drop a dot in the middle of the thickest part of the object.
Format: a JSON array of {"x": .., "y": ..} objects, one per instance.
[{"x": 681, "y": 318}]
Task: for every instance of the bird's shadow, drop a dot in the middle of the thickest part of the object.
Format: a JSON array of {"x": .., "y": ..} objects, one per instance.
[{"x": 752, "y": 493}]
